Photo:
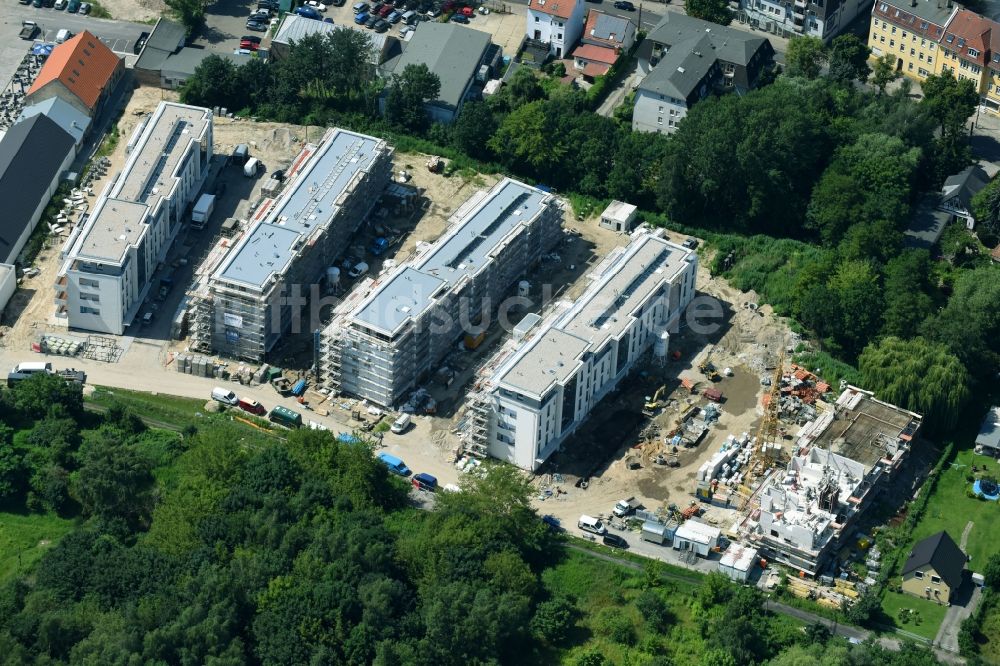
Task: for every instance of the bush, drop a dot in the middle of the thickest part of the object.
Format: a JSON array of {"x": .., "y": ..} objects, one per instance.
[
  {"x": 553, "y": 619},
  {"x": 614, "y": 625}
]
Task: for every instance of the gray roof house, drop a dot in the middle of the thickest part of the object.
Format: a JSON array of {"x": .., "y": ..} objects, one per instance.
[
  {"x": 453, "y": 52},
  {"x": 33, "y": 156},
  {"x": 608, "y": 30},
  {"x": 684, "y": 59},
  {"x": 164, "y": 60},
  {"x": 72, "y": 120},
  {"x": 989, "y": 432},
  {"x": 958, "y": 190}
]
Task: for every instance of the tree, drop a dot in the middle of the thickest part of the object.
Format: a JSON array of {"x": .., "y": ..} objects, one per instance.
[
  {"x": 970, "y": 323},
  {"x": 11, "y": 472},
  {"x": 215, "y": 82},
  {"x": 404, "y": 104},
  {"x": 553, "y": 619},
  {"x": 473, "y": 129},
  {"x": 855, "y": 287},
  {"x": 991, "y": 572},
  {"x": 805, "y": 57},
  {"x": 849, "y": 59},
  {"x": 190, "y": 12},
  {"x": 906, "y": 284},
  {"x": 917, "y": 375},
  {"x": 36, "y": 395},
  {"x": 950, "y": 102},
  {"x": 986, "y": 211},
  {"x": 716, "y": 11},
  {"x": 885, "y": 72},
  {"x": 114, "y": 480}
]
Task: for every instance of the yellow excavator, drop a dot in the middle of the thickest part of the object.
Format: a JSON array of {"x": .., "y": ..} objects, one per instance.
[
  {"x": 654, "y": 403},
  {"x": 707, "y": 368}
]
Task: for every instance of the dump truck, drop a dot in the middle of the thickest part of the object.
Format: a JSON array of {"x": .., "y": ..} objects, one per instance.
[
  {"x": 28, "y": 29},
  {"x": 625, "y": 507}
]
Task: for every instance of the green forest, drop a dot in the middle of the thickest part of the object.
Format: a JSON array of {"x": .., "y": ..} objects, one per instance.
[{"x": 223, "y": 544}]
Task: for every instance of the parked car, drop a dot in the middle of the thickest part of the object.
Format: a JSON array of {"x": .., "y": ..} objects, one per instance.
[
  {"x": 360, "y": 7},
  {"x": 251, "y": 407},
  {"x": 338, "y": 3},
  {"x": 372, "y": 20},
  {"x": 315, "y": 4},
  {"x": 359, "y": 269},
  {"x": 60, "y": 4},
  {"x": 401, "y": 424},
  {"x": 50, "y": 3},
  {"x": 256, "y": 26},
  {"x": 394, "y": 464},
  {"x": 250, "y": 38},
  {"x": 85, "y": 8},
  {"x": 309, "y": 12},
  {"x": 433, "y": 13},
  {"x": 691, "y": 243},
  {"x": 38, "y": 4},
  {"x": 385, "y": 11},
  {"x": 247, "y": 45},
  {"x": 615, "y": 541},
  {"x": 424, "y": 481},
  {"x": 24, "y": 2},
  {"x": 73, "y": 6},
  {"x": 552, "y": 522},
  {"x": 225, "y": 396},
  {"x": 459, "y": 18},
  {"x": 381, "y": 25},
  {"x": 394, "y": 17},
  {"x": 361, "y": 18},
  {"x": 624, "y": 4}
]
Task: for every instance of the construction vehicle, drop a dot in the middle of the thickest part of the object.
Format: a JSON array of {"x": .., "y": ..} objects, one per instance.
[
  {"x": 654, "y": 403},
  {"x": 708, "y": 369},
  {"x": 625, "y": 507}
]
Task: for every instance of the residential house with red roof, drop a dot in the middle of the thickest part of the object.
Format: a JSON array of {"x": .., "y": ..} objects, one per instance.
[
  {"x": 81, "y": 71},
  {"x": 605, "y": 38},
  {"x": 558, "y": 23}
]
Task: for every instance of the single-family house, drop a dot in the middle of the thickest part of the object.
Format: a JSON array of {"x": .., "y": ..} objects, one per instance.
[
  {"x": 958, "y": 191},
  {"x": 934, "y": 568},
  {"x": 593, "y": 61},
  {"x": 34, "y": 154},
  {"x": 81, "y": 71},
  {"x": 456, "y": 54},
  {"x": 557, "y": 23}
]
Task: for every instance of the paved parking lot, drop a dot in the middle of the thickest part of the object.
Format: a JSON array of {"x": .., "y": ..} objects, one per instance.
[{"x": 119, "y": 35}]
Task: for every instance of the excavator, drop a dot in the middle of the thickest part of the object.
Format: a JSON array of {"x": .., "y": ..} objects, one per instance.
[
  {"x": 654, "y": 403},
  {"x": 707, "y": 368}
]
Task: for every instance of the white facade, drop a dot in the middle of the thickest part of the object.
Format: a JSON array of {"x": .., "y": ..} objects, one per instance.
[
  {"x": 659, "y": 113},
  {"x": 697, "y": 536},
  {"x": 109, "y": 261},
  {"x": 559, "y": 23},
  {"x": 738, "y": 562},
  {"x": 8, "y": 284},
  {"x": 543, "y": 389},
  {"x": 824, "y": 19}
]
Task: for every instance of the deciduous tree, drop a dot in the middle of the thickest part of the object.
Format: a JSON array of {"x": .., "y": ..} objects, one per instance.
[
  {"x": 805, "y": 57},
  {"x": 849, "y": 59},
  {"x": 716, "y": 11},
  {"x": 407, "y": 93}
]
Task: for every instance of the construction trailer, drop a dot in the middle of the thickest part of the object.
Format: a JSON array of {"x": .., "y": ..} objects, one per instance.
[
  {"x": 739, "y": 562},
  {"x": 390, "y": 334},
  {"x": 698, "y": 537},
  {"x": 257, "y": 289}
]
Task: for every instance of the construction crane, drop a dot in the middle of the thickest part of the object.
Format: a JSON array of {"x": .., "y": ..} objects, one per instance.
[{"x": 767, "y": 434}]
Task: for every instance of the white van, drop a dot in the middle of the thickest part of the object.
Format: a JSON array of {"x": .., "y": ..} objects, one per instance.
[
  {"x": 359, "y": 269},
  {"x": 591, "y": 524},
  {"x": 400, "y": 425},
  {"x": 251, "y": 167},
  {"x": 63, "y": 35},
  {"x": 25, "y": 370},
  {"x": 225, "y": 396}
]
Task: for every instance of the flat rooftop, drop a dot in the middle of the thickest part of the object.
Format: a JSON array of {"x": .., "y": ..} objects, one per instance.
[
  {"x": 866, "y": 430},
  {"x": 463, "y": 250},
  {"x": 116, "y": 225},
  {"x": 602, "y": 312},
  {"x": 553, "y": 358},
  {"x": 147, "y": 176},
  {"x": 308, "y": 204}
]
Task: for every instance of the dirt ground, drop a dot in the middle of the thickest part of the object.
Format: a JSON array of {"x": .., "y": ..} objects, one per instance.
[{"x": 135, "y": 10}]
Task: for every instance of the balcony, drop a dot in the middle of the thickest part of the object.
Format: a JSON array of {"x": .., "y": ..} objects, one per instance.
[
  {"x": 61, "y": 297},
  {"x": 61, "y": 281},
  {"x": 801, "y": 4}
]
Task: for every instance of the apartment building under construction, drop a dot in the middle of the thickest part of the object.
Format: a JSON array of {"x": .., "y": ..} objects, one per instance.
[
  {"x": 249, "y": 299},
  {"x": 544, "y": 383},
  {"x": 109, "y": 260},
  {"x": 392, "y": 333}
]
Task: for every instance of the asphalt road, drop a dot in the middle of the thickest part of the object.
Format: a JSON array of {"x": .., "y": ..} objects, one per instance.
[{"x": 119, "y": 35}]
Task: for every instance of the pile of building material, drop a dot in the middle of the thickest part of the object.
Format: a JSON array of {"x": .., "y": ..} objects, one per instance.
[
  {"x": 61, "y": 346},
  {"x": 199, "y": 366}
]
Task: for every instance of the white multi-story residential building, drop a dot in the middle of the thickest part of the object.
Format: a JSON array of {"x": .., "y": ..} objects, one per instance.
[
  {"x": 386, "y": 337},
  {"x": 248, "y": 300},
  {"x": 540, "y": 392},
  {"x": 107, "y": 266},
  {"x": 558, "y": 23}
]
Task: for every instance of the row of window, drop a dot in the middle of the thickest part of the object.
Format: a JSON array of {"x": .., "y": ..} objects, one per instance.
[
  {"x": 902, "y": 47},
  {"x": 892, "y": 30},
  {"x": 920, "y": 574}
]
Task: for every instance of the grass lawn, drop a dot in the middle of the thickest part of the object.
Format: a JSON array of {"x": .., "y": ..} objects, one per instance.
[
  {"x": 27, "y": 535},
  {"x": 950, "y": 509},
  {"x": 928, "y": 614}
]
